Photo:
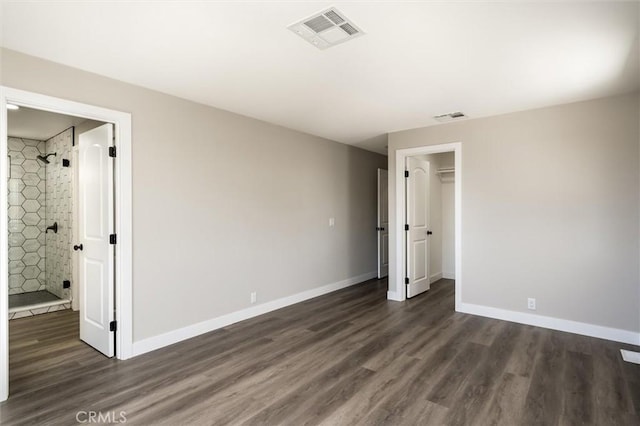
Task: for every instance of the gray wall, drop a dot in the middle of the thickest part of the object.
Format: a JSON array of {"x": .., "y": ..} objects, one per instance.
[
  {"x": 550, "y": 209},
  {"x": 223, "y": 204}
]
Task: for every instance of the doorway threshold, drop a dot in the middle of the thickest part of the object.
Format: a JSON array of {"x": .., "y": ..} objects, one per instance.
[{"x": 39, "y": 308}]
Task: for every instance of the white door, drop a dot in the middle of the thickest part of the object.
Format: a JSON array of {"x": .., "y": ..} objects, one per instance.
[
  {"x": 383, "y": 223},
  {"x": 417, "y": 187},
  {"x": 95, "y": 223}
]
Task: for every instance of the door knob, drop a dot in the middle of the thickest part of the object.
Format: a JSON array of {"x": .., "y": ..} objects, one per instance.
[
  {"x": 429, "y": 233},
  {"x": 78, "y": 247},
  {"x": 379, "y": 228}
]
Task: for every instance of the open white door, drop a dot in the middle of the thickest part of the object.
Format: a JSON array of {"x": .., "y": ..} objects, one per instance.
[
  {"x": 383, "y": 223},
  {"x": 95, "y": 253},
  {"x": 417, "y": 187}
]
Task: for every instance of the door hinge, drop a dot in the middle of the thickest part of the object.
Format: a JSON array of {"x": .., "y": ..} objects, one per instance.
[
  {"x": 406, "y": 280},
  {"x": 406, "y": 173},
  {"x": 406, "y": 227},
  {"x": 112, "y": 151},
  {"x": 113, "y": 326},
  {"x": 112, "y": 239}
]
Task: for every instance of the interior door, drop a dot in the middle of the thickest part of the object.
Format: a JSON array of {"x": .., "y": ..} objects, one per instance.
[
  {"x": 383, "y": 223},
  {"x": 95, "y": 253},
  {"x": 417, "y": 212}
]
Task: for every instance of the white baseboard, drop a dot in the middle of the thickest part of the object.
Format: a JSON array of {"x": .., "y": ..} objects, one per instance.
[
  {"x": 449, "y": 275},
  {"x": 435, "y": 277},
  {"x": 156, "y": 342},
  {"x": 591, "y": 330}
]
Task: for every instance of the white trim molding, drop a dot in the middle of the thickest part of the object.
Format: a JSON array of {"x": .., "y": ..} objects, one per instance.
[
  {"x": 569, "y": 326},
  {"x": 397, "y": 288},
  {"x": 124, "y": 218},
  {"x": 175, "y": 336}
]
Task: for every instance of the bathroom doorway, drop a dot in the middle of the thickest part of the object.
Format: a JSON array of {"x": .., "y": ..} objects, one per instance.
[
  {"x": 57, "y": 212},
  {"x": 42, "y": 167},
  {"x": 61, "y": 220}
]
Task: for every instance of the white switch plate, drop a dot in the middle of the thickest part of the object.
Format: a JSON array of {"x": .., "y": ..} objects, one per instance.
[
  {"x": 254, "y": 297},
  {"x": 332, "y": 221}
]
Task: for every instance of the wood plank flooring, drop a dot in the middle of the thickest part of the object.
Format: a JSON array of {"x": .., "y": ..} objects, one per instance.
[{"x": 349, "y": 357}]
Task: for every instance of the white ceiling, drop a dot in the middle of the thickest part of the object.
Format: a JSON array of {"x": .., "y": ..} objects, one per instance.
[
  {"x": 39, "y": 125},
  {"x": 417, "y": 60}
]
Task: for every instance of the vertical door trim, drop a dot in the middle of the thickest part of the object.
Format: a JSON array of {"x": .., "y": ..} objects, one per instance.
[
  {"x": 379, "y": 222},
  {"x": 124, "y": 224},
  {"x": 397, "y": 288}
]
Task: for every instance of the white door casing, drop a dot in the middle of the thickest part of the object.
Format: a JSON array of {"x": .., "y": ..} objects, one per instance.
[
  {"x": 383, "y": 223},
  {"x": 95, "y": 223},
  {"x": 417, "y": 217},
  {"x": 123, "y": 214}
]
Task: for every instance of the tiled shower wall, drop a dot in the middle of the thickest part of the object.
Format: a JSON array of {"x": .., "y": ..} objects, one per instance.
[
  {"x": 26, "y": 216},
  {"x": 58, "y": 209}
]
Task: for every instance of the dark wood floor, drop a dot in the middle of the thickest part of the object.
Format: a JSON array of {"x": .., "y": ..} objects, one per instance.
[{"x": 349, "y": 357}]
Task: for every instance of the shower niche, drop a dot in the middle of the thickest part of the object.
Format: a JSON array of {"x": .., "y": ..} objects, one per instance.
[{"x": 40, "y": 181}]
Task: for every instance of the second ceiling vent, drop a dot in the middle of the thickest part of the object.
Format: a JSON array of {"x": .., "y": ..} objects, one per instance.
[{"x": 327, "y": 28}]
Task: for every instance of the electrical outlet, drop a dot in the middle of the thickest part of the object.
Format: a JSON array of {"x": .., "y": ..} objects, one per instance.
[
  {"x": 332, "y": 222},
  {"x": 254, "y": 297},
  {"x": 531, "y": 303}
]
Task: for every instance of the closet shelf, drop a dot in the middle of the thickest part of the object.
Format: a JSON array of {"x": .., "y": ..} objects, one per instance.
[
  {"x": 446, "y": 174},
  {"x": 446, "y": 170}
]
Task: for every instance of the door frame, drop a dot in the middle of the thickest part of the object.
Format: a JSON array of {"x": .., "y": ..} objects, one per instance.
[
  {"x": 379, "y": 222},
  {"x": 397, "y": 288},
  {"x": 123, "y": 215}
]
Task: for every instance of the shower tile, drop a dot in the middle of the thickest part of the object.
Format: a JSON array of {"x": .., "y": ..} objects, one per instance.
[
  {"x": 31, "y": 142},
  {"x": 17, "y": 172},
  {"x": 16, "y": 185},
  {"x": 31, "y": 192},
  {"x": 31, "y": 206},
  {"x": 30, "y": 152},
  {"x": 15, "y": 144},
  {"x": 58, "y": 207},
  {"x": 30, "y": 259},
  {"x": 16, "y": 212},
  {"x": 16, "y": 253},
  {"x": 31, "y": 219},
  {"x": 31, "y": 179},
  {"x": 22, "y": 314},
  {"x": 16, "y": 281},
  {"x": 31, "y": 246},
  {"x": 26, "y": 210},
  {"x": 31, "y": 232},
  {"x": 31, "y": 285},
  {"x": 30, "y": 272},
  {"x": 16, "y": 267},
  {"x": 16, "y": 239},
  {"x": 31, "y": 166},
  {"x": 16, "y": 225},
  {"x": 17, "y": 158},
  {"x": 16, "y": 199}
]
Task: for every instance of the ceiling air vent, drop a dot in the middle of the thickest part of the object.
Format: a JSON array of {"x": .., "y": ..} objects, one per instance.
[
  {"x": 443, "y": 118},
  {"x": 327, "y": 28}
]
